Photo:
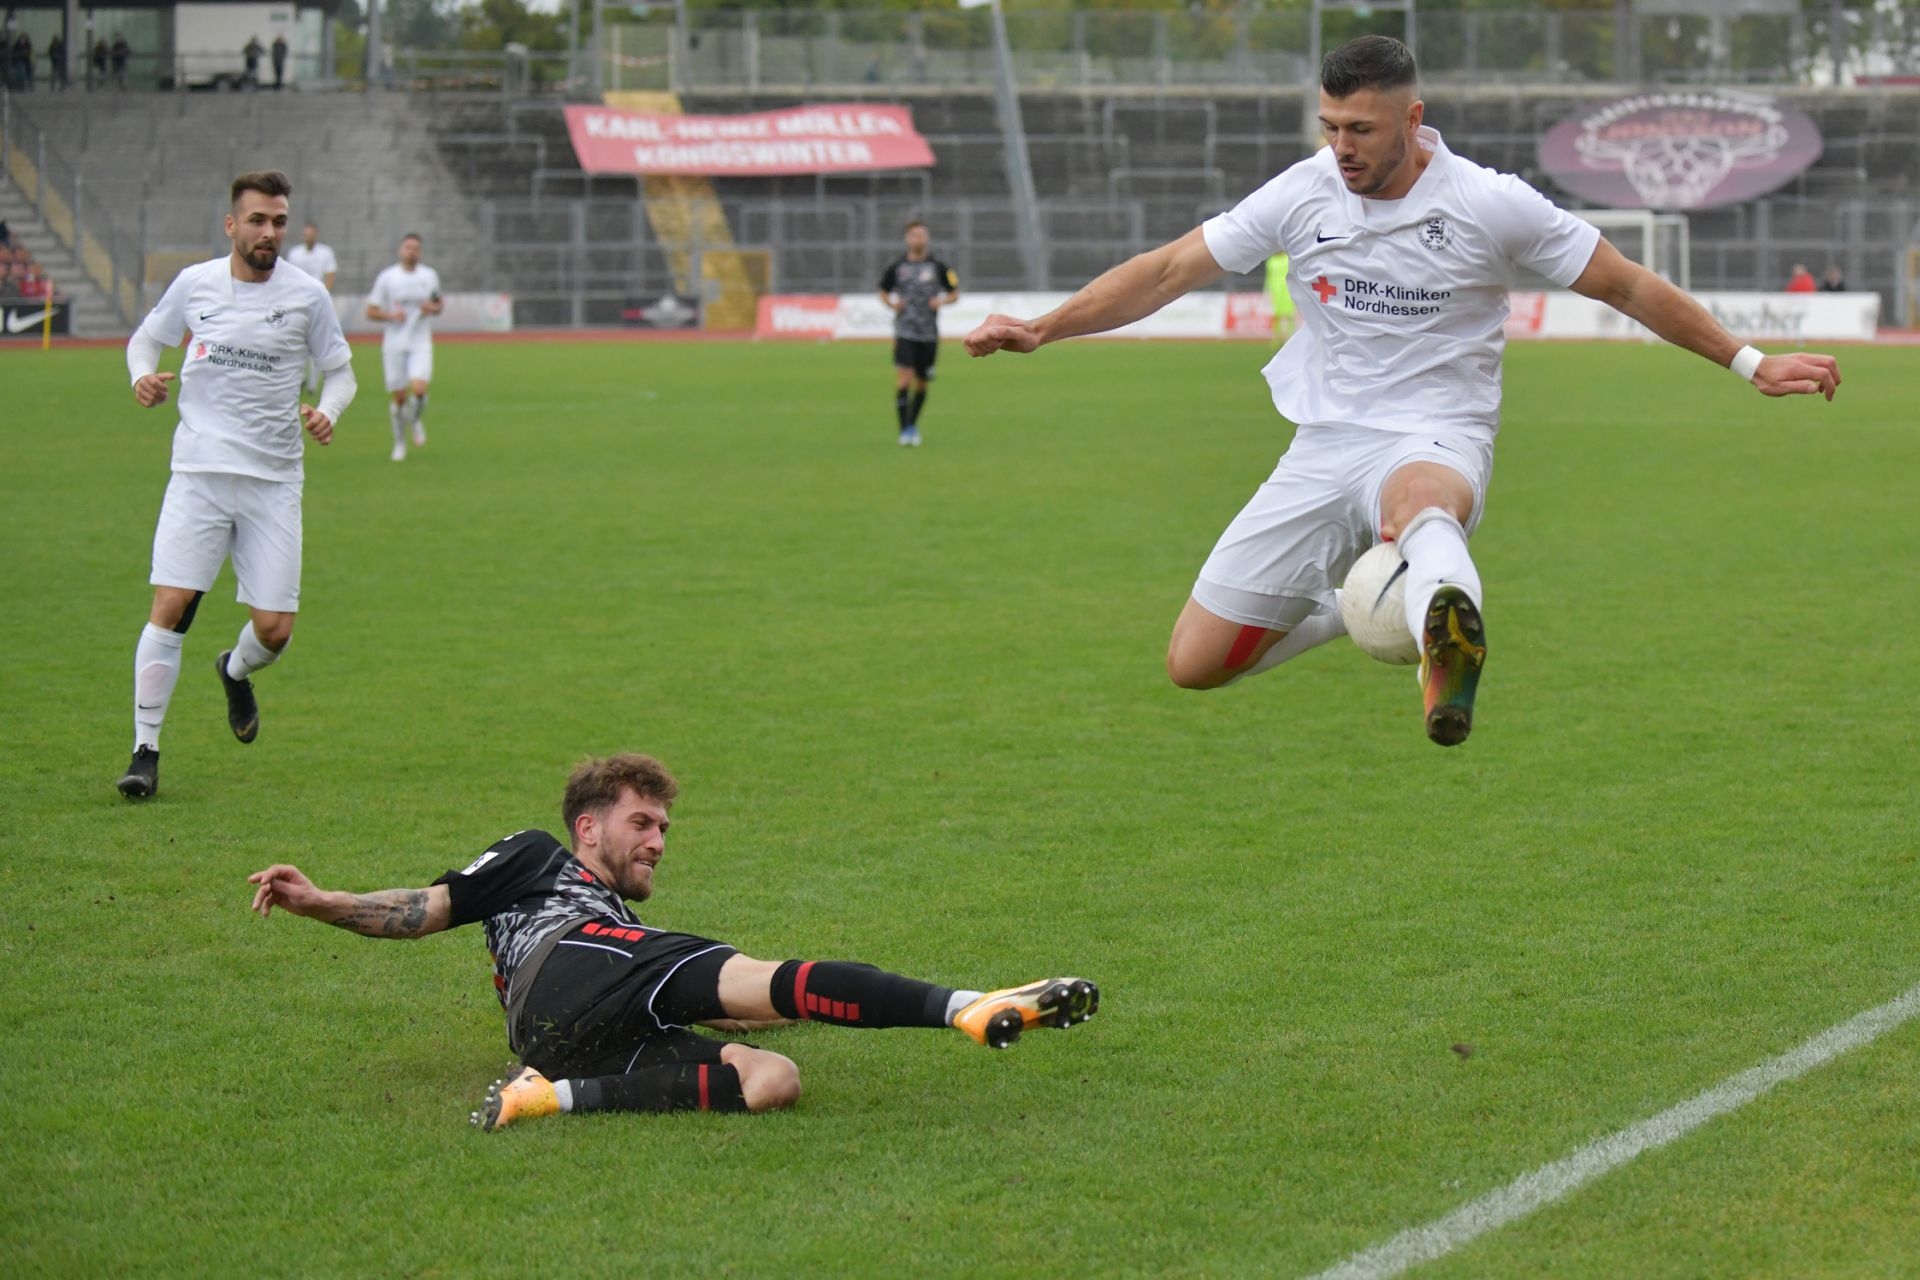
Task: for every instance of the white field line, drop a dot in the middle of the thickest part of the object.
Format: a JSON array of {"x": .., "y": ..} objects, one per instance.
[{"x": 1551, "y": 1182}]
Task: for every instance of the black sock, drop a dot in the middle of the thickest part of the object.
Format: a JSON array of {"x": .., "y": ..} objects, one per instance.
[
  {"x": 683, "y": 1086},
  {"x": 420, "y": 406},
  {"x": 913, "y": 411},
  {"x": 856, "y": 995},
  {"x": 900, "y": 403}
]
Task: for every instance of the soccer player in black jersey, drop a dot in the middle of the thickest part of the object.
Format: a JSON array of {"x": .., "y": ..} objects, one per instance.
[
  {"x": 916, "y": 285},
  {"x": 599, "y": 1005}
]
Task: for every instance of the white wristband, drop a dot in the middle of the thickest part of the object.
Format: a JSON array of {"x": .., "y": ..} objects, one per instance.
[{"x": 1745, "y": 362}]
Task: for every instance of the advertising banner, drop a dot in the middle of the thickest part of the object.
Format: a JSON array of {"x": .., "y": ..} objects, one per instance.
[
  {"x": 26, "y": 318},
  {"x": 833, "y": 138},
  {"x": 465, "y": 313},
  {"x": 667, "y": 311},
  {"x": 1751, "y": 317},
  {"x": 1679, "y": 149}
]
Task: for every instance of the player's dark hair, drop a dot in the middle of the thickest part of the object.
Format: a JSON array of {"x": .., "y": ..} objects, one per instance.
[
  {"x": 268, "y": 182},
  {"x": 1368, "y": 62},
  {"x": 595, "y": 786},
  {"x": 911, "y": 225},
  {"x": 411, "y": 235}
]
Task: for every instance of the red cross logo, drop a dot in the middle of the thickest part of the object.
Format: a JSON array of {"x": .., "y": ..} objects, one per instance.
[{"x": 1324, "y": 289}]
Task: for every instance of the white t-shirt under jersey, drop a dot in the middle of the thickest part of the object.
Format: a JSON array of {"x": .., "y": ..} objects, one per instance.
[
  {"x": 399, "y": 290},
  {"x": 239, "y": 390},
  {"x": 1403, "y": 303},
  {"x": 317, "y": 262}
]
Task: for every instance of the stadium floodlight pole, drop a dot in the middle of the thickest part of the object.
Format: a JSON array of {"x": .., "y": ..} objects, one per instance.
[{"x": 1026, "y": 200}]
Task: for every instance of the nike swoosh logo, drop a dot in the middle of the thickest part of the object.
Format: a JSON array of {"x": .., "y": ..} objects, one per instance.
[
  {"x": 1320, "y": 239},
  {"x": 22, "y": 323},
  {"x": 208, "y": 315},
  {"x": 144, "y": 707},
  {"x": 1393, "y": 578}
]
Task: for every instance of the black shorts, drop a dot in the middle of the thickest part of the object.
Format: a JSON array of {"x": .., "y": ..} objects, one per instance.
[
  {"x": 612, "y": 998},
  {"x": 909, "y": 353}
]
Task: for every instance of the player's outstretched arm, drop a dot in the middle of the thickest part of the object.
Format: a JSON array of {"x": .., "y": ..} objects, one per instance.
[
  {"x": 1668, "y": 311},
  {"x": 390, "y": 913},
  {"x": 1131, "y": 291}
]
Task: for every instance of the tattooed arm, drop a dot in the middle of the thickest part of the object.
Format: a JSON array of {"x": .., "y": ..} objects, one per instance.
[{"x": 390, "y": 913}]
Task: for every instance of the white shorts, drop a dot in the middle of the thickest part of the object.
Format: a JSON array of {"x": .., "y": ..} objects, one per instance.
[
  {"x": 207, "y": 516},
  {"x": 407, "y": 364},
  {"x": 1292, "y": 544}
]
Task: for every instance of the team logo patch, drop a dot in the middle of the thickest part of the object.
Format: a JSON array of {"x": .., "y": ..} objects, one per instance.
[
  {"x": 1436, "y": 233},
  {"x": 277, "y": 317},
  {"x": 200, "y": 351}
]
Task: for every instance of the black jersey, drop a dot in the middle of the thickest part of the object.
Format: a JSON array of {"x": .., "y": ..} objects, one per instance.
[
  {"x": 917, "y": 284},
  {"x": 525, "y": 887}
]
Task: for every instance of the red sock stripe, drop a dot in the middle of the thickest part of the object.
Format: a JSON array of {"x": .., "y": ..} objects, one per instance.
[
  {"x": 703, "y": 1086},
  {"x": 800, "y": 988},
  {"x": 1243, "y": 646}
]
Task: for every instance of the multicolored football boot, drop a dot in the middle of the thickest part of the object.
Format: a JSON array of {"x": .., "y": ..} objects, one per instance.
[
  {"x": 528, "y": 1095},
  {"x": 997, "y": 1018},
  {"x": 1453, "y": 648}
]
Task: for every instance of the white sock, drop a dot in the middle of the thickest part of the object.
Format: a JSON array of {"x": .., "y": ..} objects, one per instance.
[
  {"x": 1309, "y": 633},
  {"x": 958, "y": 1001},
  {"x": 563, "y": 1090},
  {"x": 1435, "y": 549},
  {"x": 249, "y": 655},
  {"x": 156, "y": 669},
  {"x": 398, "y": 413}
]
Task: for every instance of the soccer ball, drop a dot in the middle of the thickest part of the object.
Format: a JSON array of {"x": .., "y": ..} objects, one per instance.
[{"x": 1373, "y": 604}]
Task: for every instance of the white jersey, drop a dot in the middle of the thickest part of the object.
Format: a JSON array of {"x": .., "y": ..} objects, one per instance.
[
  {"x": 239, "y": 387},
  {"x": 1403, "y": 302},
  {"x": 401, "y": 291},
  {"x": 317, "y": 262}
]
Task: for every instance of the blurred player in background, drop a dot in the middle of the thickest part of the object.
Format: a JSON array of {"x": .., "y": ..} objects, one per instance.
[
  {"x": 316, "y": 260},
  {"x": 237, "y": 468},
  {"x": 405, "y": 298},
  {"x": 599, "y": 1006},
  {"x": 914, "y": 287},
  {"x": 1285, "y": 316},
  {"x": 1404, "y": 255}
]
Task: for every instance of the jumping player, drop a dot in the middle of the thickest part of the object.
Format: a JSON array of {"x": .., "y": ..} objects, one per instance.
[
  {"x": 599, "y": 1005},
  {"x": 237, "y": 459},
  {"x": 1401, "y": 254},
  {"x": 914, "y": 287},
  {"x": 405, "y": 298}
]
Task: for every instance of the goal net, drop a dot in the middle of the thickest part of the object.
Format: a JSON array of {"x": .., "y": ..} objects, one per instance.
[{"x": 1658, "y": 241}]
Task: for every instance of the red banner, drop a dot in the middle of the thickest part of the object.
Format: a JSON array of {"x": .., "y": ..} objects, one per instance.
[{"x": 835, "y": 138}]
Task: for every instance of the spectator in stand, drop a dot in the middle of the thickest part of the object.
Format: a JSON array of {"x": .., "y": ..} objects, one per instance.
[
  {"x": 1834, "y": 281},
  {"x": 121, "y": 52},
  {"x": 22, "y": 61},
  {"x": 252, "y": 54},
  {"x": 1801, "y": 281},
  {"x": 279, "y": 61},
  {"x": 97, "y": 77},
  {"x": 6, "y": 236},
  {"x": 36, "y": 284},
  {"x": 7, "y": 30},
  {"x": 9, "y": 281},
  {"x": 57, "y": 62}
]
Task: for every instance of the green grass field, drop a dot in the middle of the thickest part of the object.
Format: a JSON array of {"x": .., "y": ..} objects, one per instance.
[{"x": 916, "y": 702}]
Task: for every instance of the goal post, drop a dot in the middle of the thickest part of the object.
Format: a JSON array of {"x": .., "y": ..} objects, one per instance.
[{"x": 1661, "y": 242}]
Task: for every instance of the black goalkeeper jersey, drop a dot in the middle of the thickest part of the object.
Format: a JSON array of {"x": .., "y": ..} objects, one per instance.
[
  {"x": 917, "y": 284},
  {"x": 525, "y": 887}
]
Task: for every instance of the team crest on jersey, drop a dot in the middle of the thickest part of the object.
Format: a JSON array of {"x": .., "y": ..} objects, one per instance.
[
  {"x": 277, "y": 317},
  {"x": 1436, "y": 233}
]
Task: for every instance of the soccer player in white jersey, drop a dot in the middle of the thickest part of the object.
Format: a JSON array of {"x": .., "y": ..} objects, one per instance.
[
  {"x": 405, "y": 298},
  {"x": 237, "y": 465},
  {"x": 1401, "y": 255},
  {"x": 316, "y": 260}
]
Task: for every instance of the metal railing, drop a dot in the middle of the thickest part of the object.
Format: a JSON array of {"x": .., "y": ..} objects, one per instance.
[{"x": 111, "y": 255}]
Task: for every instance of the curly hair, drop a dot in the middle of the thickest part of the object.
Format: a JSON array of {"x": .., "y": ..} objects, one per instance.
[{"x": 595, "y": 786}]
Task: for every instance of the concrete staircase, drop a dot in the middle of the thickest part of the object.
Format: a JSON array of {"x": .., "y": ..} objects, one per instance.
[{"x": 93, "y": 313}]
